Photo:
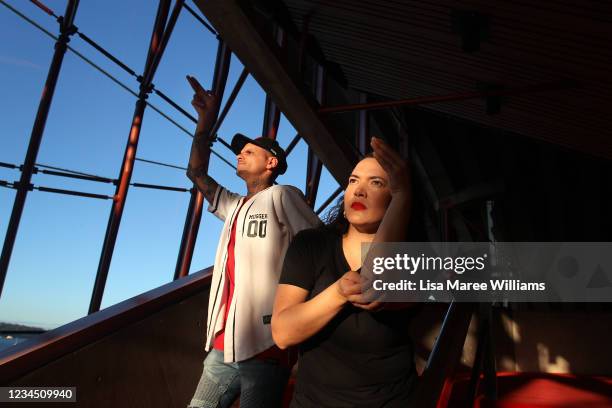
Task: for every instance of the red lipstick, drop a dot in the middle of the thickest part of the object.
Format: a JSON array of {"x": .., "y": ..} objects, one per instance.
[{"x": 358, "y": 206}]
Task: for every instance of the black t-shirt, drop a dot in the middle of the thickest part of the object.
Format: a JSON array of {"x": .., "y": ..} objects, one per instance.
[{"x": 360, "y": 358}]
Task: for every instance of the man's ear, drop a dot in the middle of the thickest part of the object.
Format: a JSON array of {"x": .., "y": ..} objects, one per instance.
[{"x": 272, "y": 163}]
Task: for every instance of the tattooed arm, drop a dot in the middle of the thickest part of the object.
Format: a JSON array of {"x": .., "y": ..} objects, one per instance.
[{"x": 205, "y": 103}]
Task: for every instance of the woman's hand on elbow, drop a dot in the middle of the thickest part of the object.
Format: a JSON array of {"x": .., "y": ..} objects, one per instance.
[{"x": 349, "y": 284}]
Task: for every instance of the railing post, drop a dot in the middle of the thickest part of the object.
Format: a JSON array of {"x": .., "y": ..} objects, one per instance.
[{"x": 272, "y": 112}]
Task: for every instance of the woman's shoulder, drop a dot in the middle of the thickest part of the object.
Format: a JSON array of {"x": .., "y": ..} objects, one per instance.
[
  {"x": 309, "y": 251},
  {"x": 316, "y": 237}
]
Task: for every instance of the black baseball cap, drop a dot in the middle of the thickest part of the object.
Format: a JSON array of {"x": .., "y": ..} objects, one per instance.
[{"x": 271, "y": 145}]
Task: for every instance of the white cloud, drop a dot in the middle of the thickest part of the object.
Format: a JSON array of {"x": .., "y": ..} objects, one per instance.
[{"x": 17, "y": 62}]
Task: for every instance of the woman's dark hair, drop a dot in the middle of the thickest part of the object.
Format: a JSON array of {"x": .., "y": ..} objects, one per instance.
[{"x": 334, "y": 218}]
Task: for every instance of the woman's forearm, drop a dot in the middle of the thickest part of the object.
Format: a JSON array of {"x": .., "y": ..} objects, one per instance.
[
  {"x": 392, "y": 228},
  {"x": 293, "y": 324},
  {"x": 395, "y": 221}
]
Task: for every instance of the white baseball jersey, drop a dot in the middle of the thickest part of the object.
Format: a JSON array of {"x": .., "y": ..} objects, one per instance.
[{"x": 265, "y": 225}]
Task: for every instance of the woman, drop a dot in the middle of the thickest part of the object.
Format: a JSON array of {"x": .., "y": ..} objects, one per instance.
[{"x": 353, "y": 353}]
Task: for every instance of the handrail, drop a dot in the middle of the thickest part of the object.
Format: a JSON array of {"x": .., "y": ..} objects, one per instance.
[
  {"x": 46, "y": 347},
  {"x": 444, "y": 355}
]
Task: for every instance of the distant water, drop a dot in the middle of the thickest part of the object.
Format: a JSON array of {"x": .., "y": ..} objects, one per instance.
[{"x": 6, "y": 343}]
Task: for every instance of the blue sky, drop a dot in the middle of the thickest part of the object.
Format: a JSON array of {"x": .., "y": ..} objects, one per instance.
[{"x": 57, "y": 250}]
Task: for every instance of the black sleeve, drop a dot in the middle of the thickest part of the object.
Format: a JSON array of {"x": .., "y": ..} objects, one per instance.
[{"x": 299, "y": 266}]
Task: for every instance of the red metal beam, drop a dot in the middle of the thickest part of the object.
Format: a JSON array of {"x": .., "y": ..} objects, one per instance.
[
  {"x": 271, "y": 119},
  {"x": 549, "y": 86},
  {"x": 313, "y": 176},
  {"x": 363, "y": 127},
  {"x": 66, "y": 29},
  {"x": 159, "y": 39},
  {"x": 230, "y": 101},
  {"x": 313, "y": 171},
  {"x": 272, "y": 111},
  {"x": 43, "y": 8},
  {"x": 303, "y": 40},
  {"x": 155, "y": 45}
]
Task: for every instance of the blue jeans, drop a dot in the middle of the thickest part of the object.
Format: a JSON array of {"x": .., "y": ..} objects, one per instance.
[{"x": 259, "y": 382}]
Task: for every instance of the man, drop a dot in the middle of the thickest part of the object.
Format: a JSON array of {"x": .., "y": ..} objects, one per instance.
[{"x": 258, "y": 227}]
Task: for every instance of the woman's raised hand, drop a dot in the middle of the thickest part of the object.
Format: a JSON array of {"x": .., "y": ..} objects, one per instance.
[{"x": 395, "y": 166}]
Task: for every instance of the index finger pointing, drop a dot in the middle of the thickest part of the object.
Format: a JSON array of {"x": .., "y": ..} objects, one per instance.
[{"x": 195, "y": 85}]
